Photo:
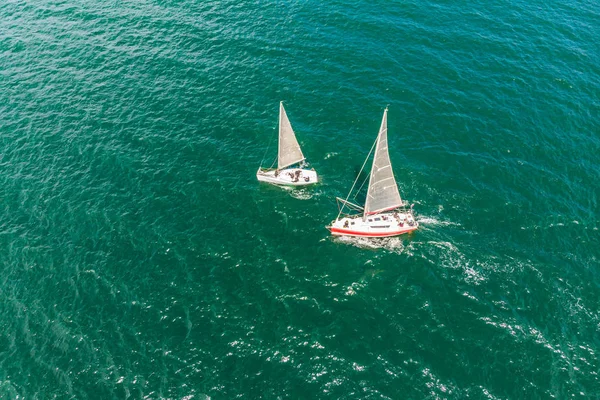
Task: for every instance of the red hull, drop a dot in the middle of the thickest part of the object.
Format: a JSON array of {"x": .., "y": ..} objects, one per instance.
[{"x": 348, "y": 232}]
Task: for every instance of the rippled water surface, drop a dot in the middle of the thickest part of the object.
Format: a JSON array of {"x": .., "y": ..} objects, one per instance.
[{"x": 141, "y": 258}]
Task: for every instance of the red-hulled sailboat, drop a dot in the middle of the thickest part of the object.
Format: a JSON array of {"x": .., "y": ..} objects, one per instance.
[{"x": 384, "y": 213}]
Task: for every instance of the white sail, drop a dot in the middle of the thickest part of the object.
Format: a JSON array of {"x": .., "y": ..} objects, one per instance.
[
  {"x": 383, "y": 191},
  {"x": 289, "y": 149}
]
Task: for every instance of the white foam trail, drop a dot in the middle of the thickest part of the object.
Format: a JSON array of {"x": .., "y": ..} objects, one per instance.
[
  {"x": 302, "y": 194},
  {"x": 393, "y": 244},
  {"x": 449, "y": 256},
  {"x": 433, "y": 221}
]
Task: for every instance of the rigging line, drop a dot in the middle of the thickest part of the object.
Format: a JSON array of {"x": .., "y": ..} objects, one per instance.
[
  {"x": 265, "y": 155},
  {"x": 361, "y": 186},
  {"x": 356, "y": 180}
]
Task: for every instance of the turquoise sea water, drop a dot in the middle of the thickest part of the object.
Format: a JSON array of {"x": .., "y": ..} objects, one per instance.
[{"x": 140, "y": 257}]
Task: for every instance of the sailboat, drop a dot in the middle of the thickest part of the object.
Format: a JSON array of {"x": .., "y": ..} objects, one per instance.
[
  {"x": 384, "y": 213},
  {"x": 291, "y": 163}
]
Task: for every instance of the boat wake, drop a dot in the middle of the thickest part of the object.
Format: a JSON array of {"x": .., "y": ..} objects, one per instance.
[
  {"x": 434, "y": 221},
  {"x": 474, "y": 270},
  {"x": 392, "y": 244},
  {"x": 300, "y": 194}
]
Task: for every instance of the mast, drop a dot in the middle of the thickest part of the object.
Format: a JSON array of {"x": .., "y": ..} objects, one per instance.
[
  {"x": 289, "y": 151},
  {"x": 383, "y": 191}
]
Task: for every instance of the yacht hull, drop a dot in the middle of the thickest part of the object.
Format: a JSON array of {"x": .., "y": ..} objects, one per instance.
[
  {"x": 380, "y": 225},
  {"x": 288, "y": 177}
]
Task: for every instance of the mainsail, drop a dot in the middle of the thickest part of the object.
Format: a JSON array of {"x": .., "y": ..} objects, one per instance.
[
  {"x": 383, "y": 191},
  {"x": 289, "y": 149}
]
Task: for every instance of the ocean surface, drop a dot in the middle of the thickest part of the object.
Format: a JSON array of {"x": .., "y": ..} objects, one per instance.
[{"x": 140, "y": 257}]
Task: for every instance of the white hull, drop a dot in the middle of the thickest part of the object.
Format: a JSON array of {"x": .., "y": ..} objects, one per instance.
[
  {"x": 378, "y": 225},
  {"x": 288, "y": 177}
]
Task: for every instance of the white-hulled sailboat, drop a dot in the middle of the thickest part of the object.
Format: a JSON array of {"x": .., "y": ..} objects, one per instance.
[
  {"x": 384, "y": 213},
  {"x": 291, "y": 164}
]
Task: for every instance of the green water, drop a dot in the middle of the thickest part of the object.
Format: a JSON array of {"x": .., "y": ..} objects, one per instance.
[{"x": 141, "y": 258}]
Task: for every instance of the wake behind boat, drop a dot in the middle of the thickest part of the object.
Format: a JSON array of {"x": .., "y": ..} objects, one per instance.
[
  {"x": 291, "y": 163},
  {"x": 384, "y": 213}
]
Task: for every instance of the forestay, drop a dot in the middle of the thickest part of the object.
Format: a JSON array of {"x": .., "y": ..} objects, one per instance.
[
  {"x": 383, "y": 191},
  {"x": 289, "y": 149}
]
